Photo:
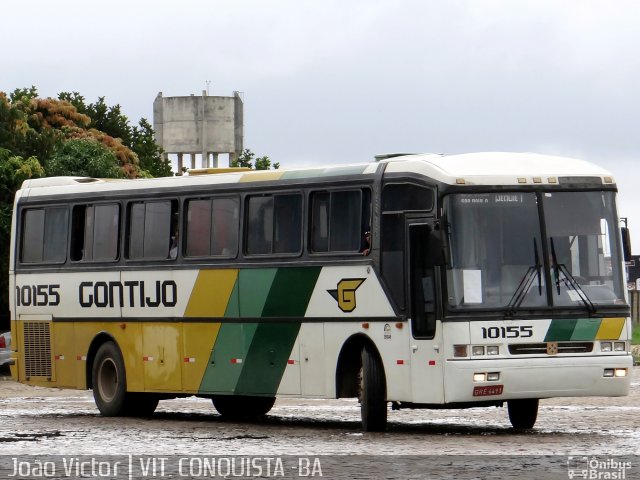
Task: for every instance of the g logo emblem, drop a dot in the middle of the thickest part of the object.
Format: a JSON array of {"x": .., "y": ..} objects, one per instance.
[{"x": 345, "y": 294}]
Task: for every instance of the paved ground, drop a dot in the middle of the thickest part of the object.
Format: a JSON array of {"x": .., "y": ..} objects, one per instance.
[{"x": 37, "y": 421}]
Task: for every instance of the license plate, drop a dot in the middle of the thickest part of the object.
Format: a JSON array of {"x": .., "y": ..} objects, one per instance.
[{"x": 488, "y": 390}]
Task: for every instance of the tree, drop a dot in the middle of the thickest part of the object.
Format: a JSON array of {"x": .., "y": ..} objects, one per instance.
[
  {"x": 13, "y": 171},
  {"x": 149, "y": 152},
  {"x": 139, "y": 139},
  {"x": 245, "y": 159},
  {"x": 84, "y": 158},
  {"x": 33, "y": 126}
]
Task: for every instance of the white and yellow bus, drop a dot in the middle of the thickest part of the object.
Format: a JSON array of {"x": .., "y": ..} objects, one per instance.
[{"x": 416, "y": 281}]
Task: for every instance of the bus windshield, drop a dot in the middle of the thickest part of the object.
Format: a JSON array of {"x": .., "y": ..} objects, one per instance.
[{"x": 500, "y": 260}]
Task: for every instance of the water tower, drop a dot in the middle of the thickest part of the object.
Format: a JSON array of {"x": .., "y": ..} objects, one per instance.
[{"x": 199, "y": 125}]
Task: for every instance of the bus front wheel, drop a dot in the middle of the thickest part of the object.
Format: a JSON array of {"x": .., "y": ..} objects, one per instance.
[
  {"x": 373, "y": 405},
  {"x": 523, "y": 413},
  {"x": 242, "y": 406},
  {"x": 109, "y": 381}
]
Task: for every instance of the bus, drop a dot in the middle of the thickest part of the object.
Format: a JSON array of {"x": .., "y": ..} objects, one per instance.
[{"x": 415, "y": 281}]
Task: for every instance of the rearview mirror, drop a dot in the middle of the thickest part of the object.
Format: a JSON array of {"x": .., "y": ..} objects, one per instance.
[{"x": 626, "y": 243}]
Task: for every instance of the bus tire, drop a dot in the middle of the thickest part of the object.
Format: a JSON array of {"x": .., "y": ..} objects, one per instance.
[
  {"x": 242, "y": 406},
  {"x": 373, "y": 405},
  {"x": 141, "y": 404},
  {"x": 523, "y": 413},
  {"x": 109, "y": 381}
]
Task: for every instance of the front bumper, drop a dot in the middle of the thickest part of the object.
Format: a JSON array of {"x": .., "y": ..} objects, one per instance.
[{"x": 537, "y": 378}]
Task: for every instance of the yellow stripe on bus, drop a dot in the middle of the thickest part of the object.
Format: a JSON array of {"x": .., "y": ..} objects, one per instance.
[
  {"x": 198, "y": 340},
  {"x": 261, "y": 176},
  {"x": 610, "y": 329},
  {"x": 211, "y": 293}
]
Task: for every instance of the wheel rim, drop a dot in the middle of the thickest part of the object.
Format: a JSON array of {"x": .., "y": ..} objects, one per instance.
[{"x": 108, "y": 380}]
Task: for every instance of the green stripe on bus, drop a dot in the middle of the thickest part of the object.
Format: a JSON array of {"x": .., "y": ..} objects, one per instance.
[
  {"x": 267, "y": 358},
  {"x": 326, "y": 172},
  {"x": 228, "y": 358},
  {"x": 233, "y": 305},
  {"x": 560, "y": 330},
  {"x": 291, "y": 291},
  {"x": 255, "y": 284},
  {"x": 229, "y": 355},
  {"x": 251, "y": 358},
  {"x": 586, "y": 329}
]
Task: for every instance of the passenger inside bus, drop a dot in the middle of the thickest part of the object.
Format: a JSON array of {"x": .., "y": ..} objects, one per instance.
[
  {"x": 173, "y": 249},
  {"x": 173, "y": 244},
  {"x": 366, "y": 245}
]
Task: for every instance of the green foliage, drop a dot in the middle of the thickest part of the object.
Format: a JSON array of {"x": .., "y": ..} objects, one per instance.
[
  {"x": 84, "y": 158},
  {"x": 19, "y": 130},
  {"x": 635, "y": 340},
  {"x": 149, "y": 152},
  {"x": 140, "y": 139},
  {"x": 13, "y": 171},
  {"x": 246, "y": 159},
  {"x": 110, "y": 120}
]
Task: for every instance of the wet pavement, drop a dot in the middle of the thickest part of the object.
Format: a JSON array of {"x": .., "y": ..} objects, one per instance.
[{"x": 36, "y": 421}]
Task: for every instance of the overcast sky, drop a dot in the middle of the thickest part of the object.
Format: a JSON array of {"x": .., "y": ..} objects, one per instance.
[{"x": 336, "y": 81}]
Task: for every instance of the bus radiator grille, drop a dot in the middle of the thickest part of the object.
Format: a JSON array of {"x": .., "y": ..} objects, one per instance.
[
  {"x": 541, "y": 348},
  {"x": 37, "y": 349}
]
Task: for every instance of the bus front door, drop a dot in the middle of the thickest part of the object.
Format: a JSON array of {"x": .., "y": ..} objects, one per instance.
[{"x": 426, "y": 329}]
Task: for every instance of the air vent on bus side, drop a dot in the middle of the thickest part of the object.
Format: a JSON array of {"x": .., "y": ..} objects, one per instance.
[{"x": 37, "y": 349}]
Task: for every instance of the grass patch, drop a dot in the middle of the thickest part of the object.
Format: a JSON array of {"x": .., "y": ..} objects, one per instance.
[{"x": 635, "y": 340}]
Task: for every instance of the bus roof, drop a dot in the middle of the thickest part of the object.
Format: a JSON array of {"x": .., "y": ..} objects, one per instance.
[
  {"x": 486, "y": 168},
  {"x": 497, "y": 168}
]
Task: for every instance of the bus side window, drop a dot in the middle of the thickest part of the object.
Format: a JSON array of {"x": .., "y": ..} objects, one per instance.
[
  {"x": 339, "y": 220},
  {"x": 287, "y": 225},
  {"x": 212, "y": 227},
  {"x": 225, "y": 221},
  {"x": 198, "y": 234},
  {"x": 44, "y": 235},
  {"x": 150, "y": 229},
  {"x": 95, "y": 232},
  {"x": 260, "y": 225},
  {"x": 274, "y": 224}
]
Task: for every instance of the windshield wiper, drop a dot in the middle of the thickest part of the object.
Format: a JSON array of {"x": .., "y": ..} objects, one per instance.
[
  {"x": 525, "y": 284},
  {"x": 569, "y": 280}
]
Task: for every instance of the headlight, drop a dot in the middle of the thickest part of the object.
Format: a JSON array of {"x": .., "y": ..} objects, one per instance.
[
  {"x": 620, "y": 346},
  {"x": 605, "y": 346},
  {"x": 477, "y": 350},
  {"x": 493, "y": 350}
]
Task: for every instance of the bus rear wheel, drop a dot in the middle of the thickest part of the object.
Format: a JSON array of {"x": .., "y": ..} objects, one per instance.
[
  {"x": 242, "y": 406},
  {"x": 523, "y": 413},
  {"x": 109, "y": 381},
  {"x": 373, "y": 405}
]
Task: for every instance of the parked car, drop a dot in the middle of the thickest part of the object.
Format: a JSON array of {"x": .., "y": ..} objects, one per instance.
[{"x": 5, "y": 351}]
